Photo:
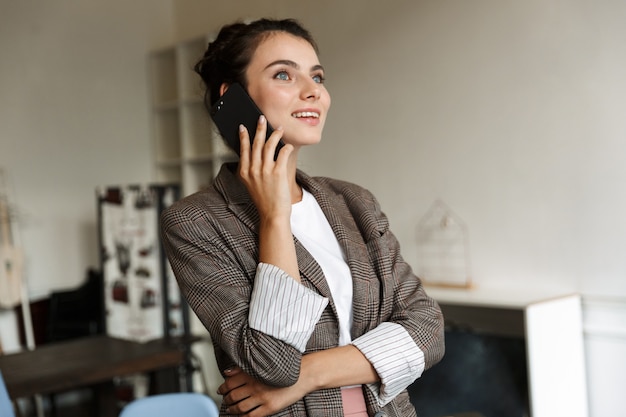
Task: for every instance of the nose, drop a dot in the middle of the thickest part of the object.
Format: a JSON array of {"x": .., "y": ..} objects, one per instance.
[{"x": 311, "y": 90}]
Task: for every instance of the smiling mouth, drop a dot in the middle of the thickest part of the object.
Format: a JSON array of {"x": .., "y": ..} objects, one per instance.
[{"x": 305, "y": 114}]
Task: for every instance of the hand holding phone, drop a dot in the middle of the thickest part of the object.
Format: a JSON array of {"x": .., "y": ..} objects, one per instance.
[{"x": 236, "y": 107}]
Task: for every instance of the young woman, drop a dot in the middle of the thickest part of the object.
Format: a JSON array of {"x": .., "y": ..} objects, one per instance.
[{"x": 311, "y": 309}]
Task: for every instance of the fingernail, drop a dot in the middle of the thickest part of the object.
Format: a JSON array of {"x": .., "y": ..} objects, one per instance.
[
  {"x": 228, "y": 370},
  {"x": 241, "y": 128},
  {"x": 261, "y": 119}
]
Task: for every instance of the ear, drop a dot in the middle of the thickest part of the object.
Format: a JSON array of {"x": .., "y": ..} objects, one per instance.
[{"x": 223, "y": 88}]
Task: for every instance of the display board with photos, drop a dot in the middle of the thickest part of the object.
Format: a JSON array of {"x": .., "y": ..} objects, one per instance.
[{"x": 142, "y": 300}]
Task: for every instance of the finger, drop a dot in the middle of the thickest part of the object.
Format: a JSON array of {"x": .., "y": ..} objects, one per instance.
[
  {"x": 259, "y": 137},
  {"x": 225, "y": 388},
  {"x": 272, "y": 143},
  {"x": 236, "y": 396},
  {"x": 244, "y": 406},
  {"x": 244, "y": 149},
  {"x": 230, "y": 384},
  {"x": 284, "y": 153}
]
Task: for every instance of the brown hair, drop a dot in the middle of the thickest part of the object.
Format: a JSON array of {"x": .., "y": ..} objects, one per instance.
[{"x": 228, "y": 56}]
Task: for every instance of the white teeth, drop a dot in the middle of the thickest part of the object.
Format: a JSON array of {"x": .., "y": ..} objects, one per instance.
[{"x": 306, "y": 114}]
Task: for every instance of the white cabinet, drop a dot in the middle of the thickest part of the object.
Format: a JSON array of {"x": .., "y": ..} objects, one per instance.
[
  {"x": 551, "y": 326},
  {"x": 187, "y": 148}
]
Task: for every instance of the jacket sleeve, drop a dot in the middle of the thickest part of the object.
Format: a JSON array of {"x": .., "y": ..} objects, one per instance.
[
  {"x": 284, "y": 308},
  {"x": 412, "y": 308},
  {"x": 217, "y": 280},
  {"x": 408, "y": 336}
]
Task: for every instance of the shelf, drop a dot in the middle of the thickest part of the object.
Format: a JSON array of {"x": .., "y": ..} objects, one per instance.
[
  {"x": 163, "y": 67},
  {"x": 167, "y": 135},
  {"x": 187, "y": 150},
  {"x": 196, "y": 130},
  {"x": 196, "y": 177},
  {"x": 492, "y": 296},
  {"x": 187, "y": 147},
  {"x": 169, "y": 174},
  {"x": 170, "y": 163}
]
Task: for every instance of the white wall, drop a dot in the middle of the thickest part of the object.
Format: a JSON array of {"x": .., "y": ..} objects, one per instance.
[
  {"x": 73, "y": 115},
  {"x": 511, "y": 112}
]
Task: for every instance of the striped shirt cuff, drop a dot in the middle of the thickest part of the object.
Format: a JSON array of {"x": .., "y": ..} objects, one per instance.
[
  {"x": 284, "y": 308},
  {"x": 395, "y": 357}
]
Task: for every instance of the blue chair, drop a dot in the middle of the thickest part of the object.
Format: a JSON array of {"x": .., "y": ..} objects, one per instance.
[
  {"x": 6, "y": 406},
  {"x": 188, "y": 404}
]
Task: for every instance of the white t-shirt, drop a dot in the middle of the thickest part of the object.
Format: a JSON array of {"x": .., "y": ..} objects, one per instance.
[{"x": 310, "y": 226}]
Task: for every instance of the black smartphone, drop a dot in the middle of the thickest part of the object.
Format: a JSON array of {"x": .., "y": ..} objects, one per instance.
[{"x": 236, "y": 107}]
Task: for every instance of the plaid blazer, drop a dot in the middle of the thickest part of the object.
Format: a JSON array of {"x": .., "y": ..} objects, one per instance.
[{"x": 210, "y": 239}]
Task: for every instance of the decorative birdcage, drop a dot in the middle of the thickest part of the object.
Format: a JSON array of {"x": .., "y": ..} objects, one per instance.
[{"x": 443, "y": 248}]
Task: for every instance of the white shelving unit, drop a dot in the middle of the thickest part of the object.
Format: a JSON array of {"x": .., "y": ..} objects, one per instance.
[
  {"x": 187, "y": 148},
  {"x": 550, "y": 324}
]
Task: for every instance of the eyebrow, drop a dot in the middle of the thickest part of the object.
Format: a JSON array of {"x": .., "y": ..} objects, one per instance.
[{"x": 292, "y": 64}]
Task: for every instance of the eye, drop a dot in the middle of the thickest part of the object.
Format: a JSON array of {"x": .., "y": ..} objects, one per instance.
[
  {"x": 282, "y": 75},
  {"x": 319, "y": 78}
]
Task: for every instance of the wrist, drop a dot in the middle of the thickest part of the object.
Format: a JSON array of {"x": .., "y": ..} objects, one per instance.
[
  {"x": 276, "y": 245},
  {"x": 310, "y": 379},
  {"x": 275, "y": 222}
]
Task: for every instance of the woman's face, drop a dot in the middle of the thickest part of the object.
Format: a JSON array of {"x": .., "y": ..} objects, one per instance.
[{"x": 285, "y": 79}]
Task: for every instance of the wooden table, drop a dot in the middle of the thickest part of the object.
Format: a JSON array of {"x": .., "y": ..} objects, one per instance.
[{"x": 92, "y": 361}]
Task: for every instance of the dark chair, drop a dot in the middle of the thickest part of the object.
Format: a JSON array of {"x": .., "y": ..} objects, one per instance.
[
  {"x": 76, "y": 313},
  {"x": 79, "y": 312}
]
